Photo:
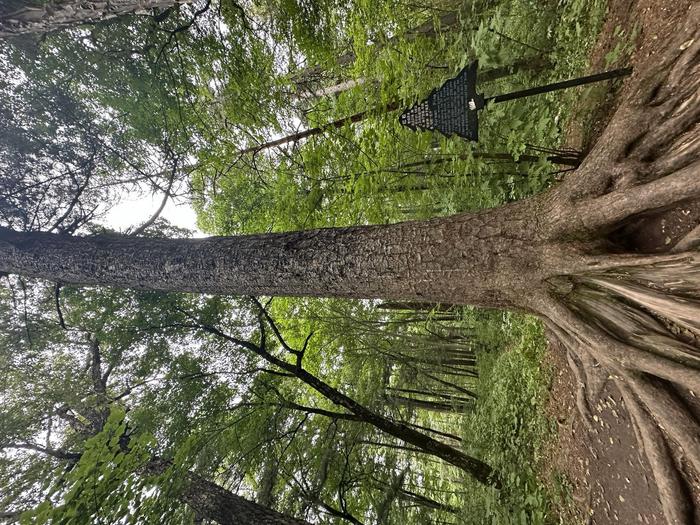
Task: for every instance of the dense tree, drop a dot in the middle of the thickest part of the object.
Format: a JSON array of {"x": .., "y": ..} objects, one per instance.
[
  {"x": 133, "y": 362},
  {"x": 572, "y": 255},
  {"x": 567, "y": 255},
  {"x": 356, "y": 411}
]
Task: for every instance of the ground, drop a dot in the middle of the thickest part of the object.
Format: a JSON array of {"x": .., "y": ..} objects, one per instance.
[{"x": 610, "y": 478}]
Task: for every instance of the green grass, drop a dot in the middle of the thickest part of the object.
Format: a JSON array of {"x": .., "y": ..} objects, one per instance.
[{"x": 509, "y": 429}]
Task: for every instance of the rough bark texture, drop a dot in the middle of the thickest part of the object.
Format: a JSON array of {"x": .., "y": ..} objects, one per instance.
[
  {"x": 60, "y": 14},
  {"x": 213, "y": 502},
  {"x": 488, "y": 259}
]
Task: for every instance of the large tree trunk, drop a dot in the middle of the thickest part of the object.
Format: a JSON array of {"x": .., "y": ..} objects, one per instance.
[
  {"x": 490, "y": 258},
  {"x": 60, "y": 14}
]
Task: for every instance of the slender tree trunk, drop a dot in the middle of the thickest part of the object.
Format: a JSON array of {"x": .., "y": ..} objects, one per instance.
[
  {"x": 479, "y": 470},
  {"x": 265, "y": 495},
  {"x": 447, "y": 361},
  {"x": 213, "y": 502},
  {"x": 441, "y": 395},
  {"x": 427, "y": 29},
  {"x": 571, "y": 160},
  {"x": 433, "y": 406},
  {"x": 60, "y": 14},
  {"x": 427, "y": 502},
  {"x": 466, "y": 373},
  {"x": 438, "y": 432},
  {"x": 334, "y": 90},
  {"x": 336, "y": 124}
]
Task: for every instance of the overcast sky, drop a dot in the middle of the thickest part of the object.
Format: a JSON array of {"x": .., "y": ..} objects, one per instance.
[{"x": 135, "y": 209}]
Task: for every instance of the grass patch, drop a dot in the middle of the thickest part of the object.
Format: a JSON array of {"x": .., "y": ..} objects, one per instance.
[{"x": 509, "y": 428}]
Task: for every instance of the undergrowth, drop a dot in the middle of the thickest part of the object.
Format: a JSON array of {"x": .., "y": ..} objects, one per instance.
[{"x": 509, "y": 428}]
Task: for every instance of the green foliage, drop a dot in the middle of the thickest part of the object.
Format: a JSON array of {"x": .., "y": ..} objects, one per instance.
[
  {"x": 101, "y": 485},
  {"x": 509, "y": 428},
  {"x": 377, "y": 171}
]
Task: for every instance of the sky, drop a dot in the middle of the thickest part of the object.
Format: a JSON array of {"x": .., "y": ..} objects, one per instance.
[{"x": 135, "y": 209}]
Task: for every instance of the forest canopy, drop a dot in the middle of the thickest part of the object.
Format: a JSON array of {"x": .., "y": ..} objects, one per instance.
[{"x": 362, "y": 337}]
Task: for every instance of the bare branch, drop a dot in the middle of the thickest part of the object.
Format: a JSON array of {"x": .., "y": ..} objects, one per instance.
[{"x": 55, "y": 453}]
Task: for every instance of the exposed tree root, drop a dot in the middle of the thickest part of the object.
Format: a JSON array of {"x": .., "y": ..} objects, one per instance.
[
  {"x": 654, "y": 126},
  {"x": 609, "y": 210},
  {"x": 615, "y": 318},
  {"x": 616, "y": 337},
  {"x": 681, "y": 153},
  {"x": 672, "y": 492},
  {"x": 590, "y": 379},
  {"x": 678, "y": 423},
  {"x": 582, "y": 400},
  {"x": 683, "y": 311},
  {"x": 692, "y": 238},
  {"x": 638, "y": 315}
]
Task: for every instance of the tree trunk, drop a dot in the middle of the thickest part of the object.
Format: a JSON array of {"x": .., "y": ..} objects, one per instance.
[
  {"x": 334, "y": 90},
  {"x": 60, "y": 14},
  {"x": 213, "y": 502},
  {"x": 441, "y": 395},
  {"x": 493, "y": 258},
  {"x": 445, "y": 361},
  {"x": 570, "y": 160},
  {"x": 432, "y": 406},
  {"x": 418, "y": 307},
  {"x": 427, "y": 502},
  {"x": 336, "y": 124},
  {"x": 479, "y": 470}
]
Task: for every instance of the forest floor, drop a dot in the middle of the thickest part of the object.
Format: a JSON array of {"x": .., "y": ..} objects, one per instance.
[{"x": 609, "y": 478}]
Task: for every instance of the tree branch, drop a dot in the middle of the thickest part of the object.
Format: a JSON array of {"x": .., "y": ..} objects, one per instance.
[{"x": 55, "y": 453}]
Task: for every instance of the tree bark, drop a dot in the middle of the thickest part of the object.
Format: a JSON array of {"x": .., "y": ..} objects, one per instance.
[
  {"x": 427, "y": 502},
  {"x": 418, "y": 307},
  {"x": 492, "y": 258},
  {"x": 61, "y": 14},
  {"x": 213, "y": 502}
]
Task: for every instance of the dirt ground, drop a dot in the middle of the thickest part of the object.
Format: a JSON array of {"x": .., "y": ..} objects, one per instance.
[
  {"x": 611, "y": 482},
  {"x": 610, "y": 478}
]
